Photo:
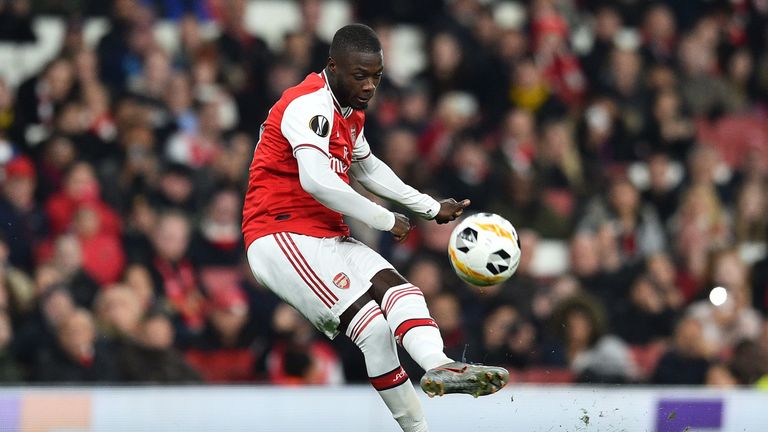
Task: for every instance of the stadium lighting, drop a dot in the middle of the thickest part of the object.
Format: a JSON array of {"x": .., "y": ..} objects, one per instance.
[{"x": 718, "y": 295}]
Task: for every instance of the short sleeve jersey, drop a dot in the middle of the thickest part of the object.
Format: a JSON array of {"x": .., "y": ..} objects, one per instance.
[{"x": 306, "y": 116}]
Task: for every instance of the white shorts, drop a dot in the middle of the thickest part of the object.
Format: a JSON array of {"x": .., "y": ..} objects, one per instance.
[{"x": 320, "y": 277}]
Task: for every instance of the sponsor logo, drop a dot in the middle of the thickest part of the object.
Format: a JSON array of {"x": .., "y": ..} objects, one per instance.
[
  {"x": 673, "y": 415},
  {"x": 341, "y": 280},
  {"x": 320, "y": 125},
  {"x": 400, "y": 375}
]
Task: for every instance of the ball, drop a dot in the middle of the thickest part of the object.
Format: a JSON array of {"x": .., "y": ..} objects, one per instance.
[{"x": 484, "y": 249}]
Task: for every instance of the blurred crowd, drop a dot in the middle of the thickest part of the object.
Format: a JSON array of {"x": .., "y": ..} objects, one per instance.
[{"x": 633, "y": 132}]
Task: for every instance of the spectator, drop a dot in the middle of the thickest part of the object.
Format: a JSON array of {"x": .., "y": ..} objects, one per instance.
[
  {"x": 153, "y": 359},
  {"x": 662, "y": 193},
  {"x": 725, "y": 325},
  {"x": 16, "y": 22},
  {"x": 228, "y": 349},
  {"x": 760, "y": 285},
  {"x": 175, "y": 277},
  {"x": 558, "y": 164},
  {"x": 521, "y": 204},
  {"x": 608, "y": 23},
  {"x": 138, "y": 279},
  {"x": 198, "y": 148},
  {"x": 703, "y": 91},
  {"x": 18, "y": 288},
  {"x": 7, "y": 102},
  {"x": 750, "y": 224},
  {"x": 218, "y": 240},
  {"x": 231, "y": 165},
  {"x": 601, "y": 135},
  {"x": 597, "y": 269},
  {"x": 67, "y": 259},
  {"x": 686, "y": 362},
  {"x": 176, "y": 189},
  {"x": 624, "y": 82},
  {"x": 297, "y": 356},
  {"x": 143, "y": 347},
  {"x": 698, "y": 227},
  {"x": 22, "y": 219},
  {"x": 659, "y": 32},
  {"x": 446, "y": 310},
  {"x": 508, "y": 339},
  {"x": 644, "y": 317},
  {"x": 76, "y": 356},
  {"x": 103, "y": 255},
  {"x": 39, "y": 99},
  {"x": 39, "y": 331},
  {"x": 141, "y": 221},
  {"x": 668, "y": 128},
  {"x": 80, "y": 187},
  {"x": 638, "y": 229},
  {"x": 586, "y": 347},
  {"x": 749, "y": 362},
  {"x": 529, "y": 91},
  {"x": 10, "y": 371},
  {"x": 468, "y": 172}
]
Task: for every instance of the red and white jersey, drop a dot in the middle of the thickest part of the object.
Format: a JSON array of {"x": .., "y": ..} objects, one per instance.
[{"x": 307, "y": 115}]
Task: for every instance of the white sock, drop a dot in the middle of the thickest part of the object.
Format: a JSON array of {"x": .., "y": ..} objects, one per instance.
[
  {"x": 408, "y": 317},
  {"x": 369, "y": 330}
]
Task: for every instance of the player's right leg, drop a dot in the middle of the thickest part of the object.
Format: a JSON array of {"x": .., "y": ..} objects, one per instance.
[
  {"x": 406, "y": 311},
  {"x": 364, "y": 323},
  {"x": 313, "y": 276}
]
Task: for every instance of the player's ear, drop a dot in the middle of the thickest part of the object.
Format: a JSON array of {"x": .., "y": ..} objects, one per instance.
[{"x": 331, "y": 64}]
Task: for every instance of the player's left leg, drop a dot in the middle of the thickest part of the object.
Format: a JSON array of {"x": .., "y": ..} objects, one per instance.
[
  {"x": 364, "y": 323},
  {"x": 406, "y": 311}
]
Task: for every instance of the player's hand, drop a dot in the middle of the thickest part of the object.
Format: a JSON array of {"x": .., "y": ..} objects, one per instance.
[
  {"x": 402, "y": 227},
  {"x": 450, "y": 210}
]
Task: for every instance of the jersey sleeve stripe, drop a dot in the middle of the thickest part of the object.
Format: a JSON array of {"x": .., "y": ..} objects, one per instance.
[
  {"x": 363, "y": 158},
  {"x": 301, "y": 146}
]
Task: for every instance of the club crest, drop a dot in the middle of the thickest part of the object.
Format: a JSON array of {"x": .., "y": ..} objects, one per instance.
[
  {"x": 341, "y": 280},
  {"x": 320, "y": 126}
]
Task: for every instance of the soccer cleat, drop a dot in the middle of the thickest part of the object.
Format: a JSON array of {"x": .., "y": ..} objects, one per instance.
[{"x": 458, "y": 377}]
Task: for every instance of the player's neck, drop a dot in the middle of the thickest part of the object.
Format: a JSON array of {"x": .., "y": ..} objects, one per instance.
[{"x": 330, "y": 78}]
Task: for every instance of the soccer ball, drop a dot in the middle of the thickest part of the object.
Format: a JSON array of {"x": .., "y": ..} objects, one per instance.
[{"x": 484, "y": 249}]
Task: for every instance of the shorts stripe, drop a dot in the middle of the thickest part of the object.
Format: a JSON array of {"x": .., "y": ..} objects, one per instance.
[
  {"x": 370, "y": 310},
  {"x": 390, "y": 379},
  {"x": 392, "y": 292},
  {"x": 300, "y": 272},
  {"x": 302, "y": 262},
  {"x": 317, "y": 279}
]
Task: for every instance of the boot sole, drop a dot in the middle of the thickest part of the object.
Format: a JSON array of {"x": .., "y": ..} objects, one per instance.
[{"x": 476, "y": 381}]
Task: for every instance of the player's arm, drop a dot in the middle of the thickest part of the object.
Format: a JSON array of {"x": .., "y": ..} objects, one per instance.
[
  {"x": 324, "y": 185},
  {"x": 378, "y": 177},
  {"x": 306, "y": 126}
]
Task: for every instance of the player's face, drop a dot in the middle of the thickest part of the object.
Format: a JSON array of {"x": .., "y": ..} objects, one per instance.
[{"x": 357, "y": 76}]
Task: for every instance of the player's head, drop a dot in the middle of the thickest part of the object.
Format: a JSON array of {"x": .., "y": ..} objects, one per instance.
[{"x": 355, "y": 65}]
